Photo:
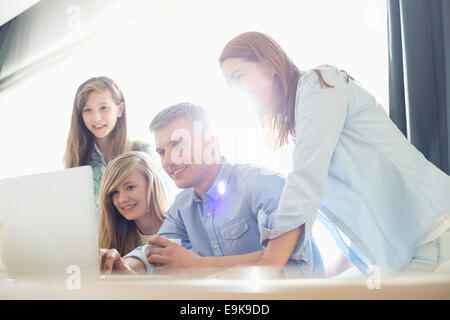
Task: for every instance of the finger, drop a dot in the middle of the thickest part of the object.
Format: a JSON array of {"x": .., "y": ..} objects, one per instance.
[
  {"x": 119, "y": 265},
  {"x": 101, "y": 262},
  {"x": 160, "y": 241},
  {"x": 155, "y": 250},
  {"x": 155, "y": 258},
  {"x": 110, "y": 259}
]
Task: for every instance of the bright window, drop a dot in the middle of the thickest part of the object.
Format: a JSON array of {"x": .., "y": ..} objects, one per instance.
[{"x": 168, "y": 54}]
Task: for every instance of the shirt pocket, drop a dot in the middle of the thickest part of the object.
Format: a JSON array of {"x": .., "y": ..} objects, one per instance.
[{"x": 230, "y": 234}]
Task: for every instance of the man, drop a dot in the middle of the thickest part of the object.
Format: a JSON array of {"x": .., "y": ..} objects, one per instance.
[{"x": 216, "y": 215}]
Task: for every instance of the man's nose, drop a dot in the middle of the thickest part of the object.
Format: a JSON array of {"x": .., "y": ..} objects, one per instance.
[{"x": 167, "y": 163}]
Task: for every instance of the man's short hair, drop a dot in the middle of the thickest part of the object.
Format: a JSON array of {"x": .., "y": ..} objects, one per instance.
[{"x": 184, "y": 110}]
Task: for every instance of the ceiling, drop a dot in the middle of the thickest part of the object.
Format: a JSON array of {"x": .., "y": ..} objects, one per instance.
[{"x": 12, "y": 8}]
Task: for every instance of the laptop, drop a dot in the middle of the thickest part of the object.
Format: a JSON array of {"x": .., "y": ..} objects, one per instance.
[{"x": 49, "y": 225}]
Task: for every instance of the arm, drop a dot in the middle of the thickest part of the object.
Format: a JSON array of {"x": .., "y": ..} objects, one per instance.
[
  {"x": 174, "y": 257},
  {"x": 280, "y": 249},
  {"x": 262, "y": 189},
  {"x": 110, "y": 260},
  {"x": 247, "y": 259},
  {"x": 338, "y": 266},
  {"x": 320, "y": 117}
]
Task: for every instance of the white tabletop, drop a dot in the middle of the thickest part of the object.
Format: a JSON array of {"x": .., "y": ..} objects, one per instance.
[{"x": 144, "y": 287}]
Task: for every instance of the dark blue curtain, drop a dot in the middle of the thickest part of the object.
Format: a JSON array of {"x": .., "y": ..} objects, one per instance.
[{"x": 419, "y": 75}]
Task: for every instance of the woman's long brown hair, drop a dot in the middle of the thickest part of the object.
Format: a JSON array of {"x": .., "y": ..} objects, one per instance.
[{"x": 279, "y": 124}]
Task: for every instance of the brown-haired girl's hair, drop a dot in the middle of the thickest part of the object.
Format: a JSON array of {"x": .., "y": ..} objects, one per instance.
[
  {"x": 80, "y": 142},
  {"x": 114, "y": 230},
  {"x": 279, "y": 124}
]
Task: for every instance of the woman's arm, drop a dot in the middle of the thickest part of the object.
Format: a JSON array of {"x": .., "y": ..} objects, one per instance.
[
  {"x": 320, "y": 117},
  {"x": 280, "y": 249},
  {"x": 338, "y": 266}
]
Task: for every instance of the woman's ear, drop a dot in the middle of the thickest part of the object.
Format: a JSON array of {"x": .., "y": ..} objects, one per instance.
[
  {"x": 121, "y": 109},
  {"x": 269, "y": 67}
]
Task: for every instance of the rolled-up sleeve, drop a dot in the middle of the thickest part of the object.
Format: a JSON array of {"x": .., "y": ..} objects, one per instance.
[
  {"x": 171, "y": 228},
  {"x": 319, "y": 120},
  {"x": 136, "y": 253}
]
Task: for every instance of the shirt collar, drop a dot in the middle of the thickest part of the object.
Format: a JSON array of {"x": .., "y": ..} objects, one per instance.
[
  {"x": 97, "y": 155},
  {"x": 219, "y": 187}
]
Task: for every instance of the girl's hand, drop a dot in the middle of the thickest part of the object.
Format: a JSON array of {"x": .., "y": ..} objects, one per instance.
[{"x": 110, "y": 260}]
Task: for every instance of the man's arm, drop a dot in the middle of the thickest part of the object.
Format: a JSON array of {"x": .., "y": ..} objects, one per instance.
[
  {"x": 174, "y": 257},
  {"x": 263, "y": 188}
]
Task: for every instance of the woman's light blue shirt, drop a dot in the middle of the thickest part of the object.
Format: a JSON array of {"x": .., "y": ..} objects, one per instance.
[{"x": 351, "y": 162}]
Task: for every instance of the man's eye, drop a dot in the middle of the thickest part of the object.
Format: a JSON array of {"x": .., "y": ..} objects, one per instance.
[{"x": 178, "y": 144}]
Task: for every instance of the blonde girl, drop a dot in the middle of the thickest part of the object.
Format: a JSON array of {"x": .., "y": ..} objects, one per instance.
[
  {"x": 133, "y": 202},
  {"x": 350, "y": 161},
  {"x": 98, "y": 130}
]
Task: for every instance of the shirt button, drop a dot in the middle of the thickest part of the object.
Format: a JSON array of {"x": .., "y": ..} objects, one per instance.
[
  {"x": 233, "y": 232},
  {"x": 215, "y": 246},
  {"x": 209, "y": 214}
]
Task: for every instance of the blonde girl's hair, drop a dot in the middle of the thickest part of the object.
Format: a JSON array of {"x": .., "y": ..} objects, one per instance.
[
  {"x": 80, "y": 142},
  {"x": 279, "y": 123},
  {"x": 114, "y": 230}
]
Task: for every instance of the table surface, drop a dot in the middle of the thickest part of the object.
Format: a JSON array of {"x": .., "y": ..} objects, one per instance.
[{"x": 145, "y": 287}]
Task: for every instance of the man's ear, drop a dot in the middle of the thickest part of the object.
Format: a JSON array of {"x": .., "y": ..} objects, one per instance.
[{"x": 211, "y": 154}]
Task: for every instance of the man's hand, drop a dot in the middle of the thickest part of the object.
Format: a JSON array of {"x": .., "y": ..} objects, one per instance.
[
  {"x": 110, "y": 260},
  {"x": 171, "y": 256}
]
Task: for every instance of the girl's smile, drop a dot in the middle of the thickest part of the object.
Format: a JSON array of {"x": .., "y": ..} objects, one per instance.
[
  {"x": 130, "y": 196},
  {"x": 100, "y": 113}
]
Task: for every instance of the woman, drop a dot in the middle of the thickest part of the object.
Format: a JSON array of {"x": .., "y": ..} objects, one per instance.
[
  {"x": 133, "y": 203},
  {"x": 350, "y": 161}
]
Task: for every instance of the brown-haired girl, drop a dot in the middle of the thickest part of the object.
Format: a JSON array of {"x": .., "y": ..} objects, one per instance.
[{"x": 98, "y": 130}]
